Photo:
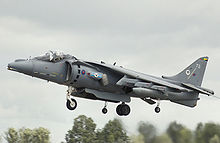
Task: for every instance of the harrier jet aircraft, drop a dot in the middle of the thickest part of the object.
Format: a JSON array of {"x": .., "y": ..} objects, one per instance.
[{"x": 112, "y": 83}]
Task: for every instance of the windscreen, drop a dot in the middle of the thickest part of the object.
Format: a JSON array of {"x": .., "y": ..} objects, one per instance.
[{"x": 53, "y": 56}]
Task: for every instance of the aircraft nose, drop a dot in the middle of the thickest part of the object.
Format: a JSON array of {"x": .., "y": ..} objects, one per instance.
[{"x": 22, "y": 66}]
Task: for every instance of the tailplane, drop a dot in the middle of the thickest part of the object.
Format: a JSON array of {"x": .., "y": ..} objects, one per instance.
[{"x": 193, "y": 74}]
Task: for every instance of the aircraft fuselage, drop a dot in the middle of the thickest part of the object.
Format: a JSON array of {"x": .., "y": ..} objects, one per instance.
[{"x": 100, "y": 81}]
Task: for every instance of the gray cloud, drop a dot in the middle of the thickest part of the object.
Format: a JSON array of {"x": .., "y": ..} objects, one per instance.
[{"x": 154, "y": 37}]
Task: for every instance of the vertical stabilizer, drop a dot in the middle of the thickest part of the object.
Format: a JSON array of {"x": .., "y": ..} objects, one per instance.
[{"x": 193, "y": 74}]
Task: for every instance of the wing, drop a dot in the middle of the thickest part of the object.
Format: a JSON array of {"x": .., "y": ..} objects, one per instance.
[{"x": 139, "y": 76}]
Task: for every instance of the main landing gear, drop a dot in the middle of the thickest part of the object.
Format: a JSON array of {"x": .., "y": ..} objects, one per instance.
[
  {"x": 71, "y": 103},
  {"x": 123, "y": 109}
]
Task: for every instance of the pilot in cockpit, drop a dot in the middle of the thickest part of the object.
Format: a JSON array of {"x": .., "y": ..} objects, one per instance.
[{"x": 53, "y": 56}]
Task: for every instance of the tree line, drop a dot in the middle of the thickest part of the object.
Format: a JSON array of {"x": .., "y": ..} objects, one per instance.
[
  {"x": 26, "y": 135},
  {"x": 84, "y": 130}
]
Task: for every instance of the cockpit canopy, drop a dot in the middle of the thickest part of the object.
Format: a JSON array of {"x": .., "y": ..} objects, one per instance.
[{"x": 54, "y": 56}]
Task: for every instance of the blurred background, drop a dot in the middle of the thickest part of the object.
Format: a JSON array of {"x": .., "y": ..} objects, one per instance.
[{"x": 154, "y": 37}]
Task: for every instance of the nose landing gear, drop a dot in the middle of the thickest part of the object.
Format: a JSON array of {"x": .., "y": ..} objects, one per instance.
[
  {"x": 71, "y": 103},
  {"x": 123, "y": 109}
]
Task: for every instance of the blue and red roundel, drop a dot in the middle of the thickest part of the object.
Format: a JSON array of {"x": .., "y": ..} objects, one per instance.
[{"x": 83, "y": 72}]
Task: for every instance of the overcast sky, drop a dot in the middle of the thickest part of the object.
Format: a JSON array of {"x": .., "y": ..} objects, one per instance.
[{"x": 157, "y": 37}]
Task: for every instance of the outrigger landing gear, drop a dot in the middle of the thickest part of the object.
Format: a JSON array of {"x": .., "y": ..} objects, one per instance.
[
  {"x": 71, "y": 103},
  {"x": 123, "y": 109},
  {"x": 157, "y": 109},
  {"x": 105, "y": 110}
]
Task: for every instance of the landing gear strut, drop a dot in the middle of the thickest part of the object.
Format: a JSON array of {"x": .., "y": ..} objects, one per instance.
[
  {"x": 123, "y": 109},
  {"x": 71, "y": 103},
  {"x": 105, "y": 110},
  {"x": 157, "y": 109}
]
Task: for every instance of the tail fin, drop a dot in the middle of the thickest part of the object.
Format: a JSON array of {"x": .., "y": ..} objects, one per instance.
[{"x": 193, "y": 74}]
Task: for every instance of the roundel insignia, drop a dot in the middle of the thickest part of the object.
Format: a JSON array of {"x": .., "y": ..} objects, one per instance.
[
  {"x": 187, "y": 72},
  {"x": 96, "y": 75},
  {"x": 83, "y": 72}
]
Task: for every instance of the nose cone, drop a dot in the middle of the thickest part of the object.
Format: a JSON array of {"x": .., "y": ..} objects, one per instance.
[{"x": 22, "y": 66}]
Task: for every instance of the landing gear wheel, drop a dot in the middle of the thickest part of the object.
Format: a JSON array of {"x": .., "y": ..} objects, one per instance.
[
  {"x": 123, "y": 110},
  {"x": 118, "y": 110},
  {"x": 104, "y": 110},
  {"x": 157, "y": 109},
  {"x": 71, "y": 105}
]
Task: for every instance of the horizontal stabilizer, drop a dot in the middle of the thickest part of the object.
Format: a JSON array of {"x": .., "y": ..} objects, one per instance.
[{"x": 199, "y": 89}]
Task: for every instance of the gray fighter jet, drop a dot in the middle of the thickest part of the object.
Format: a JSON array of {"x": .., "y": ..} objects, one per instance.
[{"x": 111, "y": 83}]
